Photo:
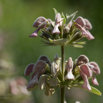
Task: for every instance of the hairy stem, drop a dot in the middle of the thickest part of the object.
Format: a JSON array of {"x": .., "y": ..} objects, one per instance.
[{"x": 63, "y": 71}]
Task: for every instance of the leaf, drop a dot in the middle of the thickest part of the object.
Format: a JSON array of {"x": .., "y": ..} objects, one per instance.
[
  {"x": 58, "y": 41},
  {"x": 80, "y": 42},
  {"x": 64, "y": 18},
  {"x": 55, "y": 11},
  {"x": 77, "y": 46},
  {"x": 70, "y": 17},
  {"x": 95, "y": 91}
]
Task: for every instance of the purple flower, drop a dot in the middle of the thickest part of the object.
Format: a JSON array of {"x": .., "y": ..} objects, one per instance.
[
  {"x": 39, "y": 23},
  {"x": 84, "y": 25},
  {"x": 35, "y": 33},
  {"x": 87, "y": 69},
  {"x": 37, "y": 69}
]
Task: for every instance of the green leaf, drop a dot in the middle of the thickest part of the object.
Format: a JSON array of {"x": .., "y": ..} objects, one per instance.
[
  {"x": 55, "y": 11},
  {"x": 58, "y": 41},
  {"x": 64, "y": 18},
  {"x": 80, "y": 42},
  {"x": 77, "y": 46},
  {"x": 70, "y": 17},
  {"x": 95, "y": 91}
]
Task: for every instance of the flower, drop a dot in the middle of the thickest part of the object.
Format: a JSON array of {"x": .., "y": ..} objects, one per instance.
[
  {"x": 69, "y": 68},
  {"x": 39, "y": 23},
  {"x": 58, "y": 22},
  {"x": 38, "y": 69},
  {"x": 35, "y": 33},
  {"x": 87, "y": 69},
  {"x": 84, "y": 25}
]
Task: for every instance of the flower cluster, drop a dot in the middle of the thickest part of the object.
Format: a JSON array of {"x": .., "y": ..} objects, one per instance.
[
  {"x": 47, "y": 75},
  {"x": 64, "y": 30}
]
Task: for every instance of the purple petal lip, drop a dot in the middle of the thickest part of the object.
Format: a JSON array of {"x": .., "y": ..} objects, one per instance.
[
  {"x": 29, "y": 69},
  {"x": 86, "y": 84}
]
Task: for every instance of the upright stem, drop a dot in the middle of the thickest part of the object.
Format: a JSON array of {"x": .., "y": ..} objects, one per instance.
[
  {"x": 63, "y": 71},
  {"x": 62, "y": 61}
]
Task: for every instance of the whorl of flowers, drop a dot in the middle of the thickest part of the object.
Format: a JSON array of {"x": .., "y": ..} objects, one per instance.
[
  {"x": 47, "y": 76},
  {"x": 64, "y": 30}
]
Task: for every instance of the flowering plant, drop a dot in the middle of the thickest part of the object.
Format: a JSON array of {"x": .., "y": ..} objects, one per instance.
[{"x": 47, "y": 75}]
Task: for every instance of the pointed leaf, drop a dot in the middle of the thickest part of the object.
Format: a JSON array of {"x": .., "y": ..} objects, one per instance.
[
  {"x": 58, "y": 41},
  {"x": 70, "y": 17},
  {"x": 95, "y": 91},
  {"x": 64, "y": 18},
  {"x": 80, "y": 42},
  {"x": 77, "y": 46},
  {"x": 55, "y": 11}
]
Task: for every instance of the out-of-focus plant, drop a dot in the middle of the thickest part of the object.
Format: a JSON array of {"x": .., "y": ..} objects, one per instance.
[
  {"x": 12, "y": 87},
  {"x": 61, "y": 73}
]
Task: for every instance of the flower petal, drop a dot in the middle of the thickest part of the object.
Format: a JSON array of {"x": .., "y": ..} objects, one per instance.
[
  {"x": 39, "y": 67},
  {"x": 69, "y": 68},
  {"x": 94, "y": 81},
  {"x": 33, "y": 82},
  {"x": 45, "y": 58},
  {"x": 82, "y": 59},
  {"x": 29, "y": 69},
  {"x": 39, "y": 21},
  {"x": 88, "y": 24},
  {"x": 96, "y": 68},
  {"x": 85, "y": 69},
  {"x": 58, "y": 18},
  {"x": 35, "y": 33},
  {"x": 87, "y": 34},
  {"x": 43, "y": 81},
  {"x": 86, "y": 84},
  {"x": 80, "y": 21},
  {"x": 69, "y": 75},
  {"x": 56, "y": 29}
]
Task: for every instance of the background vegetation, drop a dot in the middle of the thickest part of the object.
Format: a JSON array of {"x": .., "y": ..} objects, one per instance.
[{"x": 16, "y": 19}]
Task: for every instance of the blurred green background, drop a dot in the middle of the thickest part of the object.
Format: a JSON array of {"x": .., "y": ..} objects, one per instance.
[{"x": 16, "y": 19}]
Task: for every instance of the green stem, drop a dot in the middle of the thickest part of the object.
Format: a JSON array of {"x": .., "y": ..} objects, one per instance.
[
  {"x": 62, "y": 94},
  {"x": 62, "y": 62},
  {"x": 63, "y": 71}
]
